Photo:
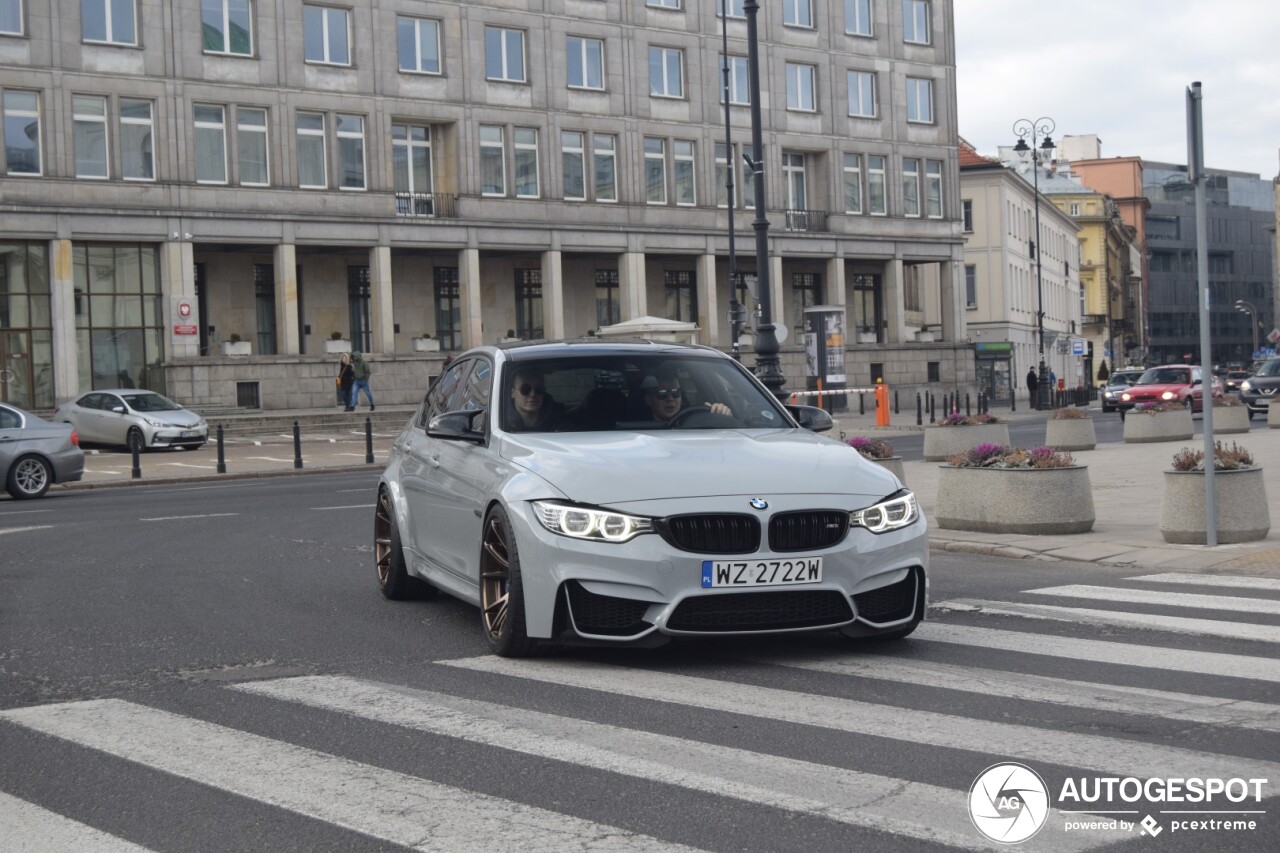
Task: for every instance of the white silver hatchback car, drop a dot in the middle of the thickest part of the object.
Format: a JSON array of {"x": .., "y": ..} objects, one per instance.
[{"x": 614, "y": 493}]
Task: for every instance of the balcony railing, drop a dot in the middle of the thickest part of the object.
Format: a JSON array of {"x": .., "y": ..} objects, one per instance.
[
  {"x": 440, "y": 205},
  {"x": 1095, "y": 319},
  {"x": 806, "y": 220}
]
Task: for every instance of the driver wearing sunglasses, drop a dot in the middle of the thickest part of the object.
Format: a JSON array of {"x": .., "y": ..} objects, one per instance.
[
  {"x": 529, "y": 396},
  {"x": 665, "y": 398}
]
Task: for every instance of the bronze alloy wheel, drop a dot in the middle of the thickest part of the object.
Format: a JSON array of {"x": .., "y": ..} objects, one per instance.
[
  {"x": 495, "y": 578},
  {"x": 388, "y": 555},
  {"x": 382, "y": 538}
]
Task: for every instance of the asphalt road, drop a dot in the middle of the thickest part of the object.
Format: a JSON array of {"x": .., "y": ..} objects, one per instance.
[{"x": 209, "y": 666}]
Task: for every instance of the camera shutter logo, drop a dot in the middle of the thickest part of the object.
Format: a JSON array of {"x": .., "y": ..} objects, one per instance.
[{"x": 1008, "y": 803}]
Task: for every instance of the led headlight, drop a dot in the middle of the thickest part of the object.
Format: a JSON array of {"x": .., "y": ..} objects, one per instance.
[
  {"x": 1125, "y": 396},
  {"x": 892, "y": 513},
  {"x": 1246, "y": 385},
  {"x": 1168, "y": 395},
  {"x": 598, "y": 525},
  {"x": 155, "y": 423}
]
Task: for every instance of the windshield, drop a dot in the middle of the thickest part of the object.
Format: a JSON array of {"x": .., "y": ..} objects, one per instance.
[
  {"x": 1166, "y": 376},
  {"x": 149, "y": 402},
  {"x": 607, "y": 391},
  {"x": 1124, "y": 378},
  {"x": 1270, "y": 368}
]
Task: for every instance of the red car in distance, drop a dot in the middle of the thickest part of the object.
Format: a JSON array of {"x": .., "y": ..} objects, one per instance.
[{"x": 1180, "y": 383}]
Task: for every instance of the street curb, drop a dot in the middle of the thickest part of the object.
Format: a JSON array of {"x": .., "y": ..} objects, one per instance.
[{"x": 206, "y": 478}]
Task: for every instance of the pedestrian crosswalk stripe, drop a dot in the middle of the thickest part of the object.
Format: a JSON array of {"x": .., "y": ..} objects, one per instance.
[
  {"x": 911, "y": 809},
  {"x": 1077, "y": 750},
  {"x": 1171, "y": 599},
  {"x": 1091, "y": 696},
  {"x": 1226, "y": 581},
  {"x": 1102, "y": 651},
  {"x": 27, "y": 828},
  {"x": 1116, "y": 618},
  {"x": 384, "y": 804}
]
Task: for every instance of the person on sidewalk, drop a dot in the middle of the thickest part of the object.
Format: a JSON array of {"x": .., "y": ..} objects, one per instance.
[
  {"x": 361, "y": 371},
  {"x": 346, "y": 379},
  {"x": 1033, "y": 383}
]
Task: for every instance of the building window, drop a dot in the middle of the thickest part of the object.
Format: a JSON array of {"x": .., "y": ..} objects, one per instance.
[
  {"x": 526, "y": 151},
  {"x": 1075, "y": 208},
  {"x": 793, "y": 175},
  {"x": 586, "y": 62},
  {"x": 493, "y": 167},
  {"x": 411, "y": 166},
  {"x": 736, "y": 8},
  {"x": 971, "y": 285},
  {"x": 504, "y": 54},
  {"x": 919, "y": 100},
  {"x": 358, "y": 308},
  {"x": 655, "y": 171},
  {"x": 264, "y": 292},
  {"x": 911, "y": 287},
  {"x": 666, "y": 72},
  {"x": 722, "y": 175},
  {"x": 915, "y": 21},
  {"x": 137, "y": 149},
  {"x": 806, "y": 291},
  {"x": 797, "y": 13},
  {"x": 211, "y": 144},
  {"x": 608, "y": 306},
  {"x": 748, "y": 183},
  {"x": 862, "y": 94},
  {"x": 573, "y": 165},
  {"x": 739, "y": 89},
  {"x": 325, "y": 36},
  {"x": 865, "y": 308},
  {"x": 682, "y": 296},
  {"x": 853, "y": 183},
  {"x": 877, "y": 201},
  {"x": 251, "y": 147},
  {"x": 966, "y": 214},
  {"x": 663, "y": 4},
  {"x": 118, "y": 315},
  {"x": 21, "y": 133},
  {"x": 933, "y": 189},
  {"x": 800, "y": 87},
  {"x": 448, "y": 308},
  {"x": 227, "y": 27},
  {"x": 11, "y": 17},
  {"x": 418, "y": 44},
  {"x": 350, "y": 132},
  {"x": 910, "y": 186},
  {"x": 606, "y": 167},
  {"x": 682, "y": 155},
  {"x": 89, "y": 114},
  {"x": 109, "y": 21},
  {"x": 857, "y": 17},
  {"x": 312, "y": 171},
  {"x": 529, "y": 304}
]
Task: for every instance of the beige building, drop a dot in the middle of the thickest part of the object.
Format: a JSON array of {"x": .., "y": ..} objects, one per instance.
[{"x": 181, "y": 173}]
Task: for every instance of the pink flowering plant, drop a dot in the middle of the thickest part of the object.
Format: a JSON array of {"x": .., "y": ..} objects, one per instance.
[
  {"x": 989, "y": 455},
  {"x": 1157, "y": 408},
  {"x": 1225, "y": 458},
  {"x": 957, "y": 419},
  {"x": 871, "y": 448},
  {"x": 1069, "y": 413}
]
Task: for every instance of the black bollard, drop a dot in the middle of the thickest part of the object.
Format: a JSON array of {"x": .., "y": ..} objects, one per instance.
[
  {"x": 1013, "y": 399},
  {"x": 919, "y": 410},
  {"x": 137, "y": 460},
  {"x": 862, "y": 404},
  {"x": 967, "y": 410},
  {"x": 368, "y": 441},
  {"x": 896, "y": 410},
  {"x": 222, "y": 457},
  {"x": 932, "y": 406},
  {"x": 297, "y": 445}
]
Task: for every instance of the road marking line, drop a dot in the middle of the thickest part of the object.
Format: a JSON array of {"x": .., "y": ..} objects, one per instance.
[
  {"x": 1102, "y": 651},
  {"x": 26, "y": 512},
  {"x": 349, "y": 506},
  {"x": 269, "y": 458},
  {"x": 190, "y": 465},
  {"x": 1081, "y": 615},
  {"x": 26, "y": 826},
  {"x": 884, "y": 803},
  {"x": 906, "y": 724},
  {"x": 185, "y": 517},
  {"x": 25, "y": 529},
  {"x": 1092, "y": 696},
  {"x": 1172, "y": 599},
  {"x": 1230, "y": 581},
  {"x": 383, "y": 804}
]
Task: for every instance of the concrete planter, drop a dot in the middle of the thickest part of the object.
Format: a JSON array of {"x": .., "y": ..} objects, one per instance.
[
  {"x": 1273, "y": 417},
  {"x": 237, "y": 348},
  {"x": 1241, "y": 498},
  {"x": 894, "y": 466},
  {"x": 1141, "y": 428},
  {"x": 1070, "y": 434},
  {"x": 866, "y": 337},
  {"x": 426, "y": 345},
  {"x": 1230, "y": 419},
  {"x": 1032, "y": 501},
  {"x": 337, "y": 346},
  {"x": 924, "y": 337},
  {"x": 943, "y": 441}
]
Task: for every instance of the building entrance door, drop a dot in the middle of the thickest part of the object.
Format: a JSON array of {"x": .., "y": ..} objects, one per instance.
[
  {"x": 15, "y": 368},
  {"x": 995, "y": 370}
]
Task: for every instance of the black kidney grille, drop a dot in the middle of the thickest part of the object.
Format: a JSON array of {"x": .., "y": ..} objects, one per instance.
[
  {"x": 888, "y": 603},
  {"x": 808, "y": 530},
  {"x": 712, "y": 534},
  {"x": 761, "y": 611},
  {"x": 605, "y": 614}
]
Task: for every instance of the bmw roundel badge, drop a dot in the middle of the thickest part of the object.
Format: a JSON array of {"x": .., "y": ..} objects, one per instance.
[{"x": 759, "y": 503}]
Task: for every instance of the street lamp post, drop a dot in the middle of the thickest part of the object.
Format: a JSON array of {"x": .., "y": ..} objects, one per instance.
[
  {"x": 1252, "y": 311},
  {"x": 1037, "y": 130},
  {"x": 737, "y": 311}
]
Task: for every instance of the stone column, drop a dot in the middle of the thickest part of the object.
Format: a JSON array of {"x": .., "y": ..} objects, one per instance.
[
  {"x": 835, "y": 290},
  {"x": 62, "y": 311},
  {"x": 178, "y": 279},
  {"x": 708, "y": 302},
  {"x": 288, "y": 335},
  {"x": 553, "y": 325},
  {"x": 381, "y": 313},
  {"x": 632, "y": 285},
  {"x": 779, "y": 304},
  {"x": 469, "y": 295},
  {"x": 894, "y": 310},
  {"x": 951, "y": 293}
]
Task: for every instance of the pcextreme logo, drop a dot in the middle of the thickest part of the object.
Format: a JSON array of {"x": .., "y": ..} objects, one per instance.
[{"x": 1008, "y": 803}]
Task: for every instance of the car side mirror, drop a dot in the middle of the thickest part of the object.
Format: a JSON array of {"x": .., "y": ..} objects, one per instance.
[
  {"x": 465, "y": 426},
  {"x": 811, "y": 418},
  {"x": 1195, "y": 381},
  {"x": 119, "y": 410}
]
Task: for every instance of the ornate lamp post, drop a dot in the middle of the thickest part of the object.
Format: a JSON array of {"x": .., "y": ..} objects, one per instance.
[
  {"x": 1248, "y": 308},
  {"x": 737, "y": 311},
  {"x": 1037, "y": 130}
]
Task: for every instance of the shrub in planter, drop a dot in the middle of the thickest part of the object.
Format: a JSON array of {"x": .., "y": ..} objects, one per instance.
[
  {"x": 956, "y": 433},
  {"x": 880, "y": 452},
  {"x": 1240, "y": 497},
  {"x": 993, "y": 488},
  {"x": 1148, "y": 422},
  {"x": 1070, "y": 428},
  {"x": 426, "y": 343}
]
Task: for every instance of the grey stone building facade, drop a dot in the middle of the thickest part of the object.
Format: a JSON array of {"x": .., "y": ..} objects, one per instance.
[{"x": 182, "y": 175}]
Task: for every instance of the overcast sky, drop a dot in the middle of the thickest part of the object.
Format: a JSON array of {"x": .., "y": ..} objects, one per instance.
[{"x": 1120, "y": 68}]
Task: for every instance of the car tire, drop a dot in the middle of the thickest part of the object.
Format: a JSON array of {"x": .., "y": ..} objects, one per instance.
[
  {"x": 136, "y": 439},
  {"x": 29, "y": 477},
  {"x": 502, "y": 589},
  {"x": 1191, "y": 405},
  {"x": 393, "y": 573}
]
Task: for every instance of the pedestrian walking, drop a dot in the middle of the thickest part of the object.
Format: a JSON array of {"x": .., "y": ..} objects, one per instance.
[
  {"x": 361, "y": 370},
  {"x": 1033, "y": 382},
  {"x": 346, "y": 379}
]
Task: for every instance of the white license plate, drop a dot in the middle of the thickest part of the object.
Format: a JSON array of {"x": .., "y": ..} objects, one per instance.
[
  {"x": 191, "y": 433},
  {"x": 788, "y": 572}
]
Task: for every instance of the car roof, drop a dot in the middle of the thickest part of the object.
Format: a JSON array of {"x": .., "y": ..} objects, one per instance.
[{"x": 587, "y": 347}]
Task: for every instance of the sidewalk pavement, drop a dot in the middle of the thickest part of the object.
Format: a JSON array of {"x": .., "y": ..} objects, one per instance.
[{"x": 1126, "y": 478}]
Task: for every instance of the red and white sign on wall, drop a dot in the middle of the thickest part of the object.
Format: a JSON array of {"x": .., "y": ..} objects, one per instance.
[{"x": 184, "y": 319}]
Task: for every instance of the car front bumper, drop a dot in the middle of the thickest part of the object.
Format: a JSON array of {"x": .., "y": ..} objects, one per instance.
[{"x": 177, "y": 437}]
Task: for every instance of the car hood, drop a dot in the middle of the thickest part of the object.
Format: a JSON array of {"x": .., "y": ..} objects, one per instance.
[
  {"x": 609, "y": 468},
  {"x": 178, "y": 417},
  {"x": 1156, "y": 390}
]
